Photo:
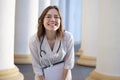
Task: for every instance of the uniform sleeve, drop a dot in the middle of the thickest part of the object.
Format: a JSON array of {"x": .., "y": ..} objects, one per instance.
[
  {"x": 35, "y": 57},
  {"x": 69, "y": 58}
]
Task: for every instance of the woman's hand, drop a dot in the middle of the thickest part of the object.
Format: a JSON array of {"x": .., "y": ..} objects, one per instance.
[{"x": 41, "y": 77}]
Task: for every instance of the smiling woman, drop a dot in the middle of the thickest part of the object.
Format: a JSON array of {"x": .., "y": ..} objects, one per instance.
[
  {"x": 52, "y": 45},
  {"x": 52, "y": 20}
]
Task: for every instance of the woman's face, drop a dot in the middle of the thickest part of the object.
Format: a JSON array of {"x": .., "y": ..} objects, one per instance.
[{"x": 51, "y": 20}]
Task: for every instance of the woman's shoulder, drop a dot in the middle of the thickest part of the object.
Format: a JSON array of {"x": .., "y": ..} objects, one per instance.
[
  {"x": 34, "y": 38},
  {"x": 68, "y": 35}
]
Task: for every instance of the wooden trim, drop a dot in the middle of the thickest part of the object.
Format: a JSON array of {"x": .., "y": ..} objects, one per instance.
[
  {"x": 22, "y": 59},
  {"x": 87, "y": 61},
  {"x": 80, "y": 52},
  {"x": 98, "y": 76},
  {"x": 11, "y": 74}
]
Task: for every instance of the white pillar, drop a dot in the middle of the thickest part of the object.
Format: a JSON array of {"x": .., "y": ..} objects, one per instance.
[
  {"x": 8, "y": 71},
  {"x": 89, "y": 33},
  {"x": 42, "y": 5},
  {"x": 54, "y": 2},
  {"x": 25, "y": 26},
  {"x": 108, "y": 58}
]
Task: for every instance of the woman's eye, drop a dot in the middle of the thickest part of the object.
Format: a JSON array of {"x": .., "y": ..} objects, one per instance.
[
  {"x": 56, "y": 17},
  {"x": 48, "y": 16}
]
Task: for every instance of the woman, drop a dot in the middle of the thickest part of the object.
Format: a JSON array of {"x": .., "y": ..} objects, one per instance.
[{"x": 51, "y": 40}]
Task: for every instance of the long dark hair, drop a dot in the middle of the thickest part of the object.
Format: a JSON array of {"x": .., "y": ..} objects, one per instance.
[{"x": 41, "y": 29}]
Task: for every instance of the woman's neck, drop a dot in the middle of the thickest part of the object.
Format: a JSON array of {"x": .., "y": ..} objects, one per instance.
[{"x": 50, "y": 35}]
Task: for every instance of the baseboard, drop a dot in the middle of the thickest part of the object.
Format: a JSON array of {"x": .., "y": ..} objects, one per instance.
[
  {"x": 98, "y": 76},
  {"x": 87, "y": 61},
  {"x": 22, "y": 59}
]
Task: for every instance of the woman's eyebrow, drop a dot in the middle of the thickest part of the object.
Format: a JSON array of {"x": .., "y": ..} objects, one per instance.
[{"x": 53, "y": 14}]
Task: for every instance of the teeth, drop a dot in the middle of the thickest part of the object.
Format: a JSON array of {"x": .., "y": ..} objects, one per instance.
[{"x": 51, "y": 24}]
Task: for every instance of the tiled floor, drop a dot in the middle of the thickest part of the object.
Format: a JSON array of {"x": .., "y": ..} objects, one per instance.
[{"x": 78, "y": 72}]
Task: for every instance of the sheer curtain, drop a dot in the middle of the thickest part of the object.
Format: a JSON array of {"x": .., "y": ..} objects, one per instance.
[{"x": 72, "y": 17}]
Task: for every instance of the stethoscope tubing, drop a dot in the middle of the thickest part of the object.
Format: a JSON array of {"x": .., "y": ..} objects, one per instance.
[{"x": 43, "y": 50}]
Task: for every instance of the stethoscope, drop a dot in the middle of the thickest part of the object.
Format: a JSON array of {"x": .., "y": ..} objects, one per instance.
[{"x": 42, "y": 52}]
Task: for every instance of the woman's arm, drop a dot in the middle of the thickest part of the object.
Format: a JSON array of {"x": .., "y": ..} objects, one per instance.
[
  {"x": 41, "y": 77},
  {"x": 35, "y": 56},
  {"x": 69, "y": 58},
  {"x": 65, "y": 72}
]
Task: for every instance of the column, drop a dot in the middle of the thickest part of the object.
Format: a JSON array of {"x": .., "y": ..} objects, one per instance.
[
  {"x": 108, "y": 57},
  {"x": 25, "y": 26},
  {"x": 42, "y": 5},
  {"x": 54, "y": 2},
  {"x": 89, "y": 33},
  {"x": 8, "y": 71}
]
